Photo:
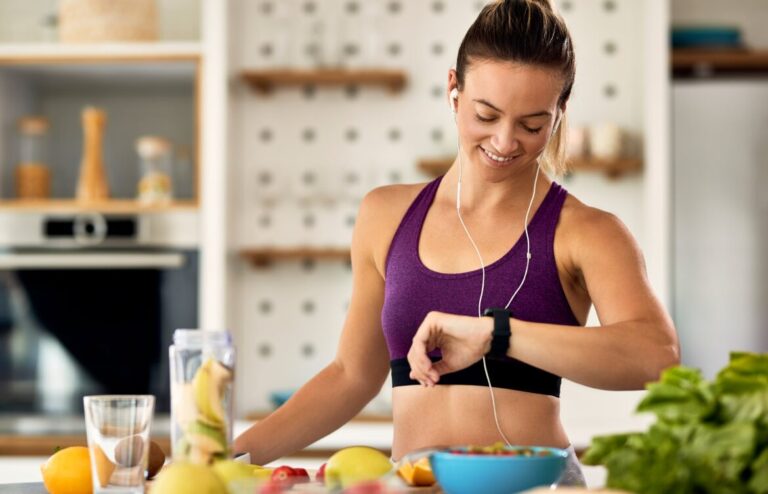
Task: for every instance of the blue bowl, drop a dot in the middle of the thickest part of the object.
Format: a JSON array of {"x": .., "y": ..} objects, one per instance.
[{"x": 459, "y": 473}]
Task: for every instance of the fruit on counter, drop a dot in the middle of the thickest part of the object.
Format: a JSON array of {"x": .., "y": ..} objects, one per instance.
[
  {"x": 129, "y": 451},
  {"x": 417, "y": 474},
  {"x": 188, "y": 478},
  {"x": 354, "y": 465},
  {"x": 229, "y": 470},
  {"x": 289, "y": 476},
  {"x": 709, "y": 436},
  {"x": 261, "y": 472},
  {"x": 302, "y": 474},
  {"x": 209, "y": 384},
  {"x": 156, "y": 459},
  {"x": 68, "y": 471},
  {"x": 320, "y": 475},
  {"x": 104, "y": 466}
]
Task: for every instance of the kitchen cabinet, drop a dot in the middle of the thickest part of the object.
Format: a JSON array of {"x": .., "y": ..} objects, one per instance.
[
  {"x": 154, "y": 88},
  {"x": 145, "y": 88}
]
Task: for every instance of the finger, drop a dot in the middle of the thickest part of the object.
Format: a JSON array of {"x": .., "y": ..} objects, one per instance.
[
  {"x": 420, "y": 363},
  {"x": 417, "y": 374},
  {"x": 416, "y": 378},
  {"x": 441, "y": 367}
]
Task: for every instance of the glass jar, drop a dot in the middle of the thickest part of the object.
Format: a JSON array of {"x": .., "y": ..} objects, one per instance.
[
  {"x": 155, "y": 162},
  {"x": 202, "y": 379},
  {"x": 183, "y": 174},
  {"x": 33, "y": 177}
]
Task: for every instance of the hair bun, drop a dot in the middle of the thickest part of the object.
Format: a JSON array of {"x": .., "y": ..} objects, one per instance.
[{"x": 545, "y": 4}]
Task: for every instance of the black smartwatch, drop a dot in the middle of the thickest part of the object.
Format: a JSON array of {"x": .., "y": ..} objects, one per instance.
[{"x": 501, "y": 332}]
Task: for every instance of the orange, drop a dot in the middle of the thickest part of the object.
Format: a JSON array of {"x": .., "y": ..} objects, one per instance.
[
  {"x": 422, "y": 473},
  {"x": 68, "y": 471},
  {"x": 417, "y": 474}
]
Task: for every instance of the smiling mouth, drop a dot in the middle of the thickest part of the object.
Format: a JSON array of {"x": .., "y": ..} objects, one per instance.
[{"x": 497, "y": 158}]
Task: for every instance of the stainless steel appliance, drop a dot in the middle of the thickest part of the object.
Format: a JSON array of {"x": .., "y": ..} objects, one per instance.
[{"x": 88, "y": 303}]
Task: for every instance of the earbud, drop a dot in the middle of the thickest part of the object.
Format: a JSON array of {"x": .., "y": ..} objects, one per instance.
[
  {"x": 454, "y": 101},
  {"x": 557, "y": 125}
]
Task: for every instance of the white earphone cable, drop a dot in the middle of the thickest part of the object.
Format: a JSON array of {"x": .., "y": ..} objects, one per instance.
[{"x": 482, "y": 269}]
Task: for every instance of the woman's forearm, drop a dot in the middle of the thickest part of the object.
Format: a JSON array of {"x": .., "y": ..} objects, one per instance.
[
  {"x": 619, "y": 356},
  {"x": 321, "y": 406}
]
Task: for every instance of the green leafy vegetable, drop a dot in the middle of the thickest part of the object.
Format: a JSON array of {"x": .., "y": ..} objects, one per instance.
[{"x": 709, "y": 437}]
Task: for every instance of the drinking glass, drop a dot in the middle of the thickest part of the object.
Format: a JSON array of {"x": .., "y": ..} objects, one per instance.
[{"x": 117, "y": 427}]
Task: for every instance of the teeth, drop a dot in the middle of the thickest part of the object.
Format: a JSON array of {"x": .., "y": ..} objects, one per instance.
[{"x": 496, "y": 158}]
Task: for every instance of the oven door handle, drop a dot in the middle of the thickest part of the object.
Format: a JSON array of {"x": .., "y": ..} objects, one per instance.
[{"x": 92, "y": 260}]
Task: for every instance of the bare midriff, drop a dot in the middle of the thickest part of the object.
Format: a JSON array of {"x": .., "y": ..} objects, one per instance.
[{"x": 453, "y": 415}]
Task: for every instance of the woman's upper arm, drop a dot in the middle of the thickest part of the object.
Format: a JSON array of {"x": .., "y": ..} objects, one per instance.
[
  {"x": 362, "y": 351},
  {"x": 613, "y": 271}
]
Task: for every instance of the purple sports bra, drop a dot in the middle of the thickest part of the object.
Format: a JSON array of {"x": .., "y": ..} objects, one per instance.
[{"x": 412, "y": 290}]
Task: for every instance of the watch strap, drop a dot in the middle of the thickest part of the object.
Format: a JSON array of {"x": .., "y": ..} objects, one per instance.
[{"x": 501, "y": 332}]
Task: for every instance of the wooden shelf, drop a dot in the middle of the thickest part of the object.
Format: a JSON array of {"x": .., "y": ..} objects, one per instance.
[
  {"x": 113, "y": 206},
  {"x": 32, "y": 53},
  {"x": 435, "y": 166},
  {"x": 264, "y": 81},
  {"x": 264, "y": 256},
  {"x": 612, "y": 168},
  {"x": 693, "y": 62}
]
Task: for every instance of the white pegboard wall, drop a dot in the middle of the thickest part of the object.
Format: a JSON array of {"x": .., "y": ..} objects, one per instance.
[{"x": 330, "y": 134}]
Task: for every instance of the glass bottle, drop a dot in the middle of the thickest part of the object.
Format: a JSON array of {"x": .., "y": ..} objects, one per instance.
[
  {"x": 33, "y": 176},
  {"x": 155, "y": 186},
  {"x": 202, "y": 380}
]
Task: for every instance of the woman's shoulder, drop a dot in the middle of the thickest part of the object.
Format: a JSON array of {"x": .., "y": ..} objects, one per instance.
[
  {"x": 587, "y": 219},
  {"x": 391, "y": 198},
  {"x": 381, "y": 211},
  {"x": 584, "y": 228}
]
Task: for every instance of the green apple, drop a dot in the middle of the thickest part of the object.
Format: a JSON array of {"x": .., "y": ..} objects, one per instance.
[
  {"x": 188, "y": 478},
  {"x": 351, "y": 466}
]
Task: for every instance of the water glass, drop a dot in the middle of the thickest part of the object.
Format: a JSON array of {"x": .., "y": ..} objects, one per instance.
[{"x": 118, "y": 427}]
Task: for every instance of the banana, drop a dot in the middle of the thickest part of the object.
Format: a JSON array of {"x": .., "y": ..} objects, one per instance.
[{"x": 209, "y": 385}]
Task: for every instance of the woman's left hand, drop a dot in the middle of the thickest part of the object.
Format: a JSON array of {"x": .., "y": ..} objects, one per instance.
[{"x": 462, "y": 340}]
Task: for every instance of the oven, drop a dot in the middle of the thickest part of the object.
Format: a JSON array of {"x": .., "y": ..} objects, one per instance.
[{"x": 88, "y": 304}]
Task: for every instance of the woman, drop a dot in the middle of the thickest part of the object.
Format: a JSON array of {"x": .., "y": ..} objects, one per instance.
[{"x": 418, "y": 291}]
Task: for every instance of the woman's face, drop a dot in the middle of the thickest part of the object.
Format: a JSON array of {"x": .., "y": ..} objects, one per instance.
[{"x": 506, "y": 114}]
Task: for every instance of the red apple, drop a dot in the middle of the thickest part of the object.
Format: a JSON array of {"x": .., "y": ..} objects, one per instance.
[
  {"x": 284, "y": 474},
  {"x": 370, "y": 487},
  {"x": 301, "y": 475},
  {"x": 320, "y": 475}
]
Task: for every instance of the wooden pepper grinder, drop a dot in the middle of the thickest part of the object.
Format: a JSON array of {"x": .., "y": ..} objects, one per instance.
[{"x": 92, "y": 185}]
